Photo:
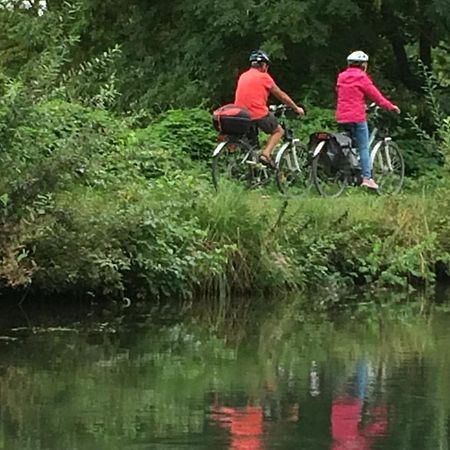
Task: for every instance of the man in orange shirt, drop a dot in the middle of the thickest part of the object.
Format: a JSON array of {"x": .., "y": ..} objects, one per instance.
[{"x": 252, "y": 93}]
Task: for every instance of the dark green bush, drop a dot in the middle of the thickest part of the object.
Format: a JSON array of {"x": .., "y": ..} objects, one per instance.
[{"x": 186, "y": 130}]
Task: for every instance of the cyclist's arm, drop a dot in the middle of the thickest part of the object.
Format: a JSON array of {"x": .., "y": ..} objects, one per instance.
[
  {"x": 285, "y": 99},
  {"x": 375, "y": 95}
]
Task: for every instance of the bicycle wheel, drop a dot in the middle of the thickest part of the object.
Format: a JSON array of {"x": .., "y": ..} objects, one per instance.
[
  {"x": 329, "y": 181},
  {"x": 293, "y": 173},
  {"x": 388, "y": 168},
  {"x": 230, "y": 164}
]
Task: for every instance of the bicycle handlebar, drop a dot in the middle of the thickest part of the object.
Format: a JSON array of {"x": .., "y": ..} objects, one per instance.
[
  {"x": 373, "y": 107},
  {"x": 281, "y": 110},
  {"x": 278, "y": 108}
]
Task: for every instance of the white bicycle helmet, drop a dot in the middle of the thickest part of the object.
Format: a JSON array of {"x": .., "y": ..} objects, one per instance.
[
  {"x": 259, "y": 56},
  {"x": 357, "y": 56}
]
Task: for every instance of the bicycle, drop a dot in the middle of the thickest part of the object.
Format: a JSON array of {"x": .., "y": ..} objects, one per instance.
[
  {"x": 292, "y": 174},
  {"x": 386, "y": 159},
  {"x": 236, "y": 158}
]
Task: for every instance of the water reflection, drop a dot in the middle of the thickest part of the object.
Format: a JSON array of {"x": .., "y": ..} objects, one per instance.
[
  {"x": 356, "y": 423},
  {"x": 245, "y": 425},
  {"x": 249, "y": 426},
  {"x": 374, "y": 382}
]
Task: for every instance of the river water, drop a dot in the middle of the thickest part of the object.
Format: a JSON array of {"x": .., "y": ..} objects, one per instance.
[{"x": 369, "y": 379}]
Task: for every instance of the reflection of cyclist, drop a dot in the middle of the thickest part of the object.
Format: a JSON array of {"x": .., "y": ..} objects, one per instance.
[
  {"x": 348, "y": 429},
  {"x": 252, "y": 92},
  {"x": 245, "y": 425},
  {"x": 353, "y": 86}
]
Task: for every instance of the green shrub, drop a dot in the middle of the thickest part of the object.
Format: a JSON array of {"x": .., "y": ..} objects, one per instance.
[
  {"x": 187, "y": 130},
  {"x": 315, "y": 119}
]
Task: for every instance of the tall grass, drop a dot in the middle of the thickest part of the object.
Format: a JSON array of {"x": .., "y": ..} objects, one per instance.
[{"x": 325, "y": 243}]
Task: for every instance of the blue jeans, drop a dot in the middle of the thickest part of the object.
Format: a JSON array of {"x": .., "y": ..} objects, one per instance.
[{"x": 360, "y": 132}]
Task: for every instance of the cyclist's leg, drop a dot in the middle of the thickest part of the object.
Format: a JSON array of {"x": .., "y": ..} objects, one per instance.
[
  {"x": 361, "y": 133},
  {"x": 269, "y": 124}
]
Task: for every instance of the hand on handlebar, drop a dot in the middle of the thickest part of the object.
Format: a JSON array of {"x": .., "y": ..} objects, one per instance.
[
  {"x": 300, "y": 111},
  {"x": 374, "y": 107},
  {"x": 280, "y": 110}
]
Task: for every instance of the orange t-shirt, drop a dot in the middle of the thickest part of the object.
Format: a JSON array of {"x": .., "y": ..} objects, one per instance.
[{"x": 252, "y": 92}]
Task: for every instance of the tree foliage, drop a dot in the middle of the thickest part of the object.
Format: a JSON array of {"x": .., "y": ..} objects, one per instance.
[{"x": 179, "y": 53}]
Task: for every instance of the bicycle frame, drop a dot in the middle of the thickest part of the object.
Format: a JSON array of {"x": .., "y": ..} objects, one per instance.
[
  {"x": 375, "y": 147},
  {"x": 372, "y": 136},
  {"x": 289, "y": 142},
  {"x": 375, "y": 152}
]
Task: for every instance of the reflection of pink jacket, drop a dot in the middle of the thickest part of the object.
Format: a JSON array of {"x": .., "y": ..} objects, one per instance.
[
  {"x": 345, "y": 424},
  {"x": 353, "y": 85}
]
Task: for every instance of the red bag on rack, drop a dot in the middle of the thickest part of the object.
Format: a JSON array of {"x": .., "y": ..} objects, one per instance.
[{"x": 231, "y": 119}]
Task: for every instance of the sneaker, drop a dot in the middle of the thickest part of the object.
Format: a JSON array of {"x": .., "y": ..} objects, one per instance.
[{"x": 368, "y": 182}]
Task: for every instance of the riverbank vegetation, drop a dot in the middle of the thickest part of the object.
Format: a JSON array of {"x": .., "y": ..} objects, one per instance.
[{"x": 104, "y": 177}]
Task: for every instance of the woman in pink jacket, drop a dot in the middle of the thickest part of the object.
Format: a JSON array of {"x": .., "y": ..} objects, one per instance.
[{"x": 352, "y": 87}]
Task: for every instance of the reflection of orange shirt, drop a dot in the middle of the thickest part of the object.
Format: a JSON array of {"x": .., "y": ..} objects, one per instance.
[
  {"x": 246, "y": 426},
  {"x": 345, "y": 417}
]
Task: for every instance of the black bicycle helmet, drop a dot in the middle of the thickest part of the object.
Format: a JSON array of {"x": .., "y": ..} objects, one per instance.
[{"x": 258, "y": 56}]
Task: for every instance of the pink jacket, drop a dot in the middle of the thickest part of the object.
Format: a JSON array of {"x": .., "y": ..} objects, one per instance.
[{"x": 352, "y": 87}]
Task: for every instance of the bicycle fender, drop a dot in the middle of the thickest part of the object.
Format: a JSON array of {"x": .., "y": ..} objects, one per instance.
[
  {"x": 219, "y": 148},
  {"x": 318, "y": 148},
  {"x": 280, "y": 153}
]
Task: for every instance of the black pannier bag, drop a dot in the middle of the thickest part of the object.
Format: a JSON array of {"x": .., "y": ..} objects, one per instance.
[
  {"x": 343, "y": 144},
  {"x": 231, "y": 119},
  {"x": 338, "y": 151}
]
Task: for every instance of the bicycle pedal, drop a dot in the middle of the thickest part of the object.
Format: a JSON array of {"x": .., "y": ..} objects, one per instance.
[{"x": 260, "y": 166}]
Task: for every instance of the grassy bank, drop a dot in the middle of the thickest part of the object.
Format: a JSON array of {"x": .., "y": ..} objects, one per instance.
[
  {"x": 329, "y": 244},
  {"x": 180, "y": 239}
]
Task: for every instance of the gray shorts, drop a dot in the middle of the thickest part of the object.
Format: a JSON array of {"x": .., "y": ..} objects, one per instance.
[{"x": 268, "y": 123}]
